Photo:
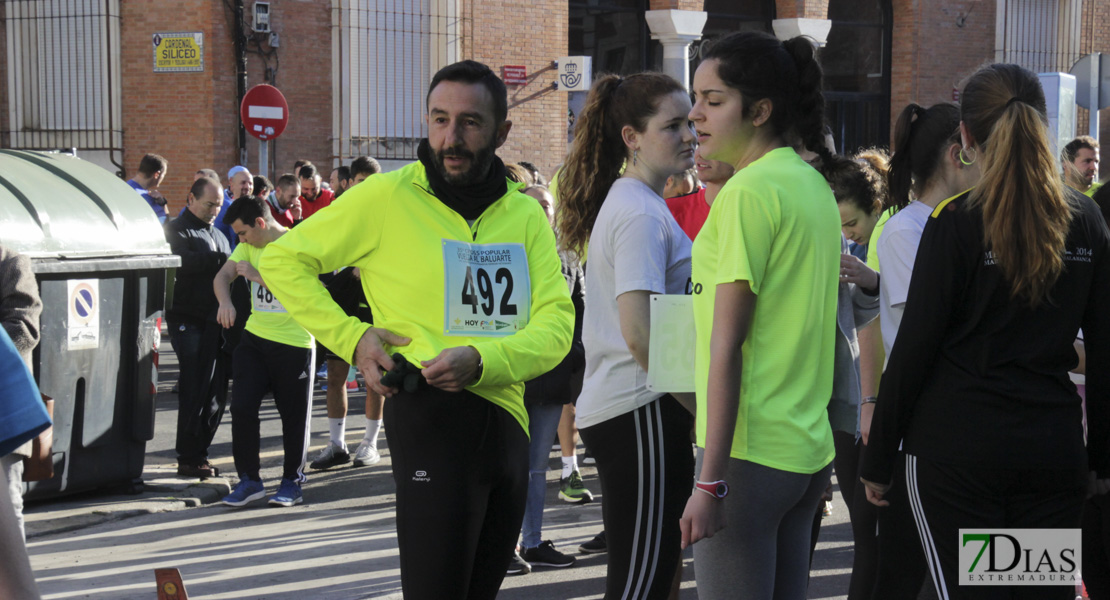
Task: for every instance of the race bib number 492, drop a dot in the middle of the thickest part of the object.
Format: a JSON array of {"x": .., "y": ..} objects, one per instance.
[{"x": 487, "y": 289}]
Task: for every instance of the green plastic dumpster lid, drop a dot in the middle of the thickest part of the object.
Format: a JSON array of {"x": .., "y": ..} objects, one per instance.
[{"x": 57, "y": 206}]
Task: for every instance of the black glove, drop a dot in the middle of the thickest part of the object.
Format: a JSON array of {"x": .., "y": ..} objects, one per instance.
[{"x": 403, "y": 375}]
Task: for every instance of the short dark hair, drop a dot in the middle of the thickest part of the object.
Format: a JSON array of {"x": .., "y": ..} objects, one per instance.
[
  {"x": 209, "y": 173},
  {"x": 262, "y": 185},
  {"x": 198, "y": 187},
  {"x": 288, "y": 180},
  {"x": 365, "y": 165},
  {"x": 536, "y": 175},
  {"x": 472, "y": 72},
  {"x": 300, "y": 163},
  {"x": 1079, "y": 143},
  {"x": 246, "y": 209},
  {"x": 307, "y": 171},
  {"x": 344, "y": 172},
  {"x": 151, "y": 164}
]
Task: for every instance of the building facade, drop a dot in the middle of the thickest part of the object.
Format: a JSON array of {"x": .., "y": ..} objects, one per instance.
[{"x": 115, "y": 79}]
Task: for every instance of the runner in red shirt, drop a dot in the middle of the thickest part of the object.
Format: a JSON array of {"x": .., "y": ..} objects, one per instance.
[
  {"x": 313, "y": 196},
  {"x": 691, "y": 210}
]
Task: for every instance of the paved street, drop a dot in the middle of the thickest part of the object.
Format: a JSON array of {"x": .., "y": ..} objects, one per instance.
[{"x": 340, "y": 544}]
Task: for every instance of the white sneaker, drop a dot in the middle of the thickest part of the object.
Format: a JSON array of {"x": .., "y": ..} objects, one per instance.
[{"x": 366, "y": 454}]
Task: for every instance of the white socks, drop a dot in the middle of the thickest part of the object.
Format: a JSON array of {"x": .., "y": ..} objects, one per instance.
[
  {"x": 372, "y": 429},
  {"x": 570, "y": 464},
  {"x": 338, "y": 429}
]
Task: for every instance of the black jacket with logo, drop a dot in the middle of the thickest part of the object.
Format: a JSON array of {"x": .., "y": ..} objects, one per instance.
[{"x": 979, "y": 379}]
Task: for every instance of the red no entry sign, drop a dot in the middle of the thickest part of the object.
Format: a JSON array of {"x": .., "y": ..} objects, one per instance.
[{"x": 264, "y": 112}]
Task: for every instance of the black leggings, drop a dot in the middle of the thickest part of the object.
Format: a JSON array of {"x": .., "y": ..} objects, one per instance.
[
  {"x": 460, "y": 463},
  {"x": 1096, "y": 546},
  {"x": 261, "y": 366},
  {"x": 646, "y": 465},
  {"x": 861, "y": 515}
]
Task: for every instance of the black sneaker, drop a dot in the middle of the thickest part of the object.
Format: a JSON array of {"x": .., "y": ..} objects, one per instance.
[
  {"x": 545, "y": 555},
  {"x": 596, "y": 545},
  {"x": 588, "y": 458},
  {"x": 518, "y": 566},
  {"x": 331, "y": 456}
]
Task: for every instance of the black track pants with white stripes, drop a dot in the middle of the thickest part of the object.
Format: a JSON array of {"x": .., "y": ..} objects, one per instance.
[
  {"x": 646, "y": 465},
  {"x": 946, "y": 498},
  {"x": 260, "y": 366}
]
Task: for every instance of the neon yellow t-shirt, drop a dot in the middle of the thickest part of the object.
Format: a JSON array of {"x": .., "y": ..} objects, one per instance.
[
  {"x": 1090, "y": 193},
  {"x": 873, "y": 245},
  {"x": 775, "y": 225},
  {"x": 269, "y": 319}
]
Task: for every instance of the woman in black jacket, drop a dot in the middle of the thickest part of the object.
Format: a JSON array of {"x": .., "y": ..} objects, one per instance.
[{"x": 976, "y": 387}]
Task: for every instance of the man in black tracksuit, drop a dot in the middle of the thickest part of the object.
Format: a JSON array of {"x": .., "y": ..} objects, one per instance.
[{"x": 194, "y": 332}]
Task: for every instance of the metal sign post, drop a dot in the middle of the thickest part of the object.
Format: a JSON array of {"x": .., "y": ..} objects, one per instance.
[
  {"x": 264, "y": 158},
  {"x": 1092, "y": 76},
  {"x": 1096, "y": 80}
]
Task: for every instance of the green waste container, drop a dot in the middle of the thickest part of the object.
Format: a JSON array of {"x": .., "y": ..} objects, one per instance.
[{"x": 102, "y": 262}]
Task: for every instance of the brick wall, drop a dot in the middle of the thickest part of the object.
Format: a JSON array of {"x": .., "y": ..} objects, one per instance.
[
  {"x": 802, "y": 9},
  {"x": 1095, "y": 37},
  {"x": 304, "y": 78},
  {"x": 532, "y": 33},
  {"x": 167, "y": 113},
  {"x": 932, "y": 53},
  {"x": 698, "y": 5},
  {"x": 192, "y": 118}
]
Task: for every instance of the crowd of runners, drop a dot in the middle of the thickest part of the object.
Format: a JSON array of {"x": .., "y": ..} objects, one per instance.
[{"x": 915, "y": 318}]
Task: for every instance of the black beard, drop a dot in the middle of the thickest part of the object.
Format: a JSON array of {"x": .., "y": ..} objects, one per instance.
[{"x": 479, "y": 165}]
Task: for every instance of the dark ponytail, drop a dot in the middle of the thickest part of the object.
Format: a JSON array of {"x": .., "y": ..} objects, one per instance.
[
  {"x": 759, "y": 66},
  {"x": 921, "y": 138},
  {"x": 809, "y": 119},
  {"x": 598, "y": 151}
]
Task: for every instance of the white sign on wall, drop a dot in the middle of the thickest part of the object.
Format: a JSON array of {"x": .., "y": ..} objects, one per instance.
[
  {"x": 83, "y": 314},
  {"x": 575, "y": 73}
]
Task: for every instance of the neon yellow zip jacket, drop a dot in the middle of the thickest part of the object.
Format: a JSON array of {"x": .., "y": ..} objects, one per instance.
[{"x": 393, "y": 229}]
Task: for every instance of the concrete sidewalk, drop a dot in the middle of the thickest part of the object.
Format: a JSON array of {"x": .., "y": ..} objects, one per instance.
[{"x": 340, "y": 544}]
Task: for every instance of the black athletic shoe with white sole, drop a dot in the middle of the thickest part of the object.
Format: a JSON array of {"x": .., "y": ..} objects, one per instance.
[{"x": 545, "y": 555}]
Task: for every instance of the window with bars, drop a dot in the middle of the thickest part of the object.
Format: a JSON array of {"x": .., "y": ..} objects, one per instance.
[
  {"x": 385, "y": 53},
  {"x": 63, "y": 74},
  {"x": 1040, "y": 35}
]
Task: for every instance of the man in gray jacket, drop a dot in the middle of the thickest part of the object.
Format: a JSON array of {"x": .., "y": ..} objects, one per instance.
[{"x": 20, "y": 308}]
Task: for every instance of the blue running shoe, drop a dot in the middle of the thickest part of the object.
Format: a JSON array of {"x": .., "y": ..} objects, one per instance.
[
  {"x": 288, "y": 494},
  {"x": 245, "y": 492}
]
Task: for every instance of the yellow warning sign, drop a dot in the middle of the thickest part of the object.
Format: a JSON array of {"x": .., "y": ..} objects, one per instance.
[{"x": 178, "y": 52}]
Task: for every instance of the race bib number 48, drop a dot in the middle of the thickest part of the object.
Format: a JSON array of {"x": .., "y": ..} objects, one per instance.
[
  {"x": 487, "y": 289},
  {"x": 264, "y": 300}
]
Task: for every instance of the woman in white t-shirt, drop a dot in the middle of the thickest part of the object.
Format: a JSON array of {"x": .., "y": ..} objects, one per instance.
[
  {"x": 924, "y": 170},
  {"x": 926, "y": 162},
  {"x": 640, "y": 438}
]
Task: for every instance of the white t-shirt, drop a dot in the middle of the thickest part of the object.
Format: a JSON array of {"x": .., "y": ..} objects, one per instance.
[
  {"x": 897, "y": 248},
  {"x": 635, "y": 245}
]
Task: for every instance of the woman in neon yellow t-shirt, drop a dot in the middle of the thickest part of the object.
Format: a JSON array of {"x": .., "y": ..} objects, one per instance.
[{"x": 765, "y": 293}]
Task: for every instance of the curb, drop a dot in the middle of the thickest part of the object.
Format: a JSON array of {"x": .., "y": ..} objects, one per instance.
[{"x": 162, "y": 492}]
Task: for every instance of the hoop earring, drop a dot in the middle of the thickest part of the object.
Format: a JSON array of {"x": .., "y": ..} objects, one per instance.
[
  {"x": 635, "y": 156},
  {"x": 964, "y": 159}
]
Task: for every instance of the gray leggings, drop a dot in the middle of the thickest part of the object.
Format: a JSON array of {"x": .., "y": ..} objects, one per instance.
[{"x": 763, "y": 552}]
